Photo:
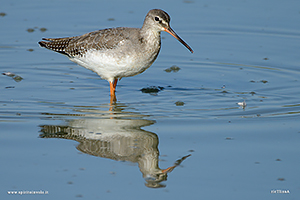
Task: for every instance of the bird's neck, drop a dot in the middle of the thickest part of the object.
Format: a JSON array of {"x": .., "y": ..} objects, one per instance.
[{"x": 150, "y": 35}]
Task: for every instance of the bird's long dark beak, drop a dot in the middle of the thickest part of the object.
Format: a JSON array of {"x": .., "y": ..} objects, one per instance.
[
  {"x": 172, "y": 32},
  {"x": 177, "y": 163}
]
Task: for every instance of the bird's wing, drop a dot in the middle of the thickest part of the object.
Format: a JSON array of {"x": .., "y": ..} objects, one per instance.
[{"x": 97, "y": 40}]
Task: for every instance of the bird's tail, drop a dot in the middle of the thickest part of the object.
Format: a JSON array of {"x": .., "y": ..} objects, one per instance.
[{"x": 56, "y": 44}]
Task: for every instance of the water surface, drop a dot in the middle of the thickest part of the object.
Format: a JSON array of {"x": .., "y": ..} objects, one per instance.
[{"x": 60, "y": 134}]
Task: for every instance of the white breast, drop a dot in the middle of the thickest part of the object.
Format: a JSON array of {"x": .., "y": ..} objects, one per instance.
[{"x": 110, "y": 65}]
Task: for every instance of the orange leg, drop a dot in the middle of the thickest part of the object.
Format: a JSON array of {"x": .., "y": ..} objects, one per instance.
[
  {"x": 115, "y": 83},
  {"x": 113, "y": 86}
]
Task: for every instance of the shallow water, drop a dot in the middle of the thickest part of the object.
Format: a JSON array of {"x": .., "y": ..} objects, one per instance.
[{"x": 60, "y": 135}]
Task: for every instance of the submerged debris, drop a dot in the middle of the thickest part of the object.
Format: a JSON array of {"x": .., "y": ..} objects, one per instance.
[
  {"x": 261, "y": 81},
  {"x": 2, "y": 14},
  {"x": 14, "y": 76},
  {"x": 153, "y": 90},
  {"x": 179, "y": 103},
  {"x": 30, "y": 30},
  {"x": 17, "y": 78},
  {"x": 174, "y": 68},
  {"x": 43, "y": 29}
]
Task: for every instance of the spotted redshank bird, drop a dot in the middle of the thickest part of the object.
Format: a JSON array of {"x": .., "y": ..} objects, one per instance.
[{"x": 115, "y": 53}]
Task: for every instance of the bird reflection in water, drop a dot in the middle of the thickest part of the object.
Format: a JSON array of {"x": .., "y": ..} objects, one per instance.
[{"x": 116, "y": 135}]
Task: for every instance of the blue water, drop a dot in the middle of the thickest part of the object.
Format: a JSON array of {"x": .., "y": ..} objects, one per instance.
[{"x": 59, "y": 133}]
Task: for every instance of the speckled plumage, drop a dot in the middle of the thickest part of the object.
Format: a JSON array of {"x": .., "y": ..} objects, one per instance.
[
  {"x": 99, "y": 40},
  {"x": 115, "y": 53}
]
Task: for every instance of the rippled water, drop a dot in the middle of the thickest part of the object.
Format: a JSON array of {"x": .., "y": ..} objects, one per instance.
[{"x": 60, "y": 134}]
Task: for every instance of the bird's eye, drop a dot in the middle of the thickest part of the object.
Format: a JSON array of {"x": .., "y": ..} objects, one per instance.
[{"x": 156, "y": 19}]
